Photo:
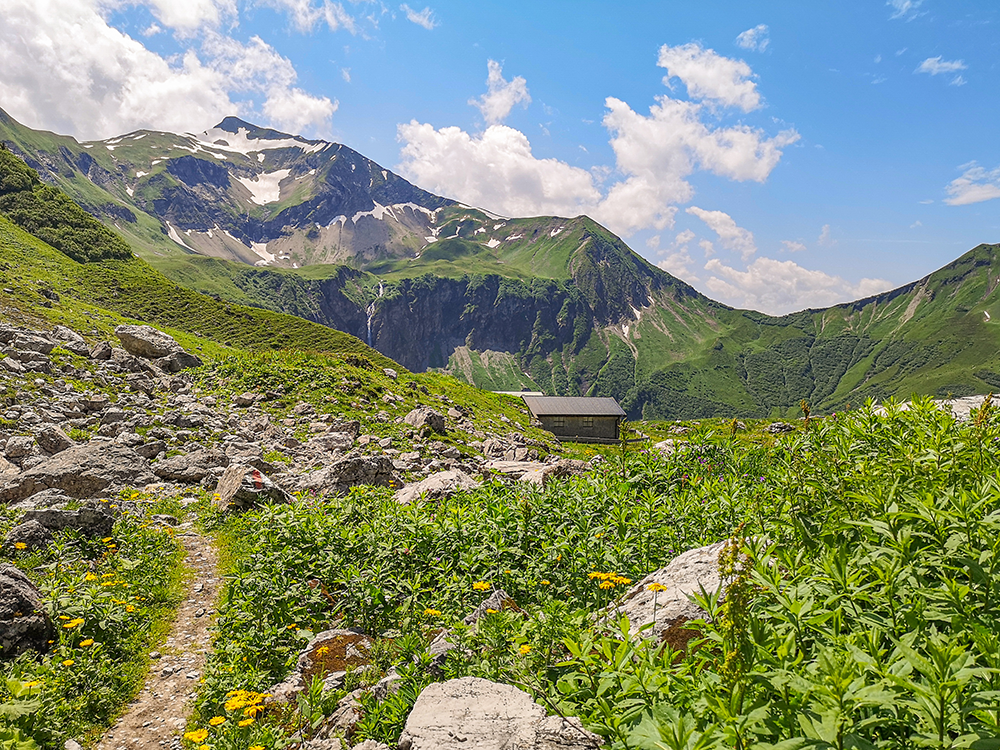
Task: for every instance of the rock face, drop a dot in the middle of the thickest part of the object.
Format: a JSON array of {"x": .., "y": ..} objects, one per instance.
[
  {"x": 81, "y": 471},
  {"x": 24, "y": 623},
  {"x": 436, "y": 486},
  {"x": 243, "y": 487},
  {"x": 146, "y": 342},
  {"x": 350, "y": 471},
  {"x": 90, "y": 521},
  {"x": 53, "y": 440},
  {"x": 425, "y": 416},
  {"x": 670, "y": 610},
  {"x": 474, "y": 713}
]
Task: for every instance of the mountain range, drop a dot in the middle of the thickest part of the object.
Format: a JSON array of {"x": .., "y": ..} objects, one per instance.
[{"x": 314, "y": 229}]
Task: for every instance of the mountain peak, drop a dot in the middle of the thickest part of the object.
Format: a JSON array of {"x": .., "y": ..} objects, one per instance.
[{"x": 233, "y": 125}]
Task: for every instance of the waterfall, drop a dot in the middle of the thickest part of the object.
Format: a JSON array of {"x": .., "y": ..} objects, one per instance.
[{"x": 371, "y": 310}]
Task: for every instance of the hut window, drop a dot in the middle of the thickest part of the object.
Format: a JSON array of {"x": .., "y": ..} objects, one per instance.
[
  {"x": 588, "y": 421},
  {"x": 558, "y": 421}
]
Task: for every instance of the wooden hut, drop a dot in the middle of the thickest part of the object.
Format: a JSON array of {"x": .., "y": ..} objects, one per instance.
[{"x": 578, "y": 418}]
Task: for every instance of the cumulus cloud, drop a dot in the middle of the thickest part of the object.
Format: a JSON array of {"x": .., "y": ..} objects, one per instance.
[
  {"x": 676, "y": 259},
  {"x": 756, "y": 39},
  {"x": 501, "y": 95},
  {"x": 306, "y": 14},
  {"x": 976, "y": 185},
  {"x": 778, "y": 287},
  {"x": 423, "y": 17},
  {"x": 792, "y": 246},
  {"x": 905, "y": 9},
  {"x": 66, "y": 69},
  {"x": 731, "y": 235},
  {"x": 189, "y": 15},
  {"x": 710, "y": 76}
]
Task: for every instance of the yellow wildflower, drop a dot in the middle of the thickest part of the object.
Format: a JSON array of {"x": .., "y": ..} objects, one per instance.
[
  {"x": 481, "y": 586},
  {"x": 654, "y": 587},
  {"x": 73, "y": 623},
  {"x": 246, "y": 722},
  {"x": 20, "y": 545},
  {"x": 88, "y": 642},
  {"x": 525, "y": 650},
  {"x": 217, "y": 720},
  {"x": 546, "y": 582},
  {"x": 322, "y": 650},
  {"x": 432, "y": 612},
  {"x": 607, "y": 585},
  {"x": 68, "y": 663},
  {"x": 198, "y": 735}
]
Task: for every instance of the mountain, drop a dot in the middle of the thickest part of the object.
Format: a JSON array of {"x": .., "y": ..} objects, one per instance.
[{"x": 315, "y": 229}]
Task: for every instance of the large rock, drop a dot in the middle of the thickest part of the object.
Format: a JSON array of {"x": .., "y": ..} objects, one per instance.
[
  {"x": 668, "y": 611},
  {"x": 177, "y": 361},
  {"x": 350, "y": 471},
  {"x": 146, "y": 342},
  {"x": 7, "y": 469},
  {"x": 81, "y": 471},
  {"x": 20, "y": 446},
  {"x": 436, "y": 486},
  {"x": 24, "y": 623},
  {"x": 91, "y": 521},
  {"x": 561, "y": 469},
  {"x": 192, "y": 467},
  {"x": 27, "y": 536},
  {"x": 472, "y": 713},
  {"x": 242, "y": 487},
  {"x": 425, "y": 416},
  {"x": 53, "y": 440}
]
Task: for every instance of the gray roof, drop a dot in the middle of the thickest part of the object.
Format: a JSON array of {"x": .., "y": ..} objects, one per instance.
[{"x": 572, "y": 406}]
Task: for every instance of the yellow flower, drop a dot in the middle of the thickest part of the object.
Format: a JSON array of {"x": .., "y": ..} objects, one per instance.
[
  {"x": 88, "y": 642},
  {"x": 198, "y": 735},
  {"x": 654, "y": 587},
  {"x": 91, "y": 577},
  {"x": 322, "y": 650},
  {"x": 33, "y": 683},
  {"x": 292, "y": 626},
  {"x": 546, "y": 582},
  {"x": 595, "y": 574},
  {"x": 73, "y": 623},
  {"x": 20, "y": 545},
  {"x": 481, "y": 586},
  {"x": 129, "y": 608},
  {"x": 432, "y": 612},
  {"x": 217, "y": 720},
  {"x": 253, "y": 710},
  {"x": 246, "y": 722},
  {"x": 204, "y": 747},
  {"x": 607, "y": 585},
  {"x": 256, "y": 747},
  {"x": 68, "y": 663},
  {"x": 491, "y": 611},
  {"x": 525, "y": 650},
  {"x": 107, "y": 539}
]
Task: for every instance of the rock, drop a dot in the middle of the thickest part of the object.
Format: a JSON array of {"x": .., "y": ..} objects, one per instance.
[
  {"x": 372, "y": 745},
  {"x": 668, "y": 611},
  {"x": 390, "y": 373},
  {"x": 352, "y": 427},
  {"x": 20, "y": 446},
  {"x": 778, "y": 428},
  {"x": 67, "y": 335},
  {"x": 350, "y": 471},
  {"x": 31, "y": 343},
  {"x": 436, "y": 486},
  {"x": 7, "y": 469},
  {"x": 31, "y": 534},
  {"x": 192, "y": 467},
  {"x": 101, "y": 351},
  {"x": 146, "y": 342},
  {"x": 475, "y": 713},
  {"x": 177, "y": 361},
  {"x": 12, "y": 366},
  {"x": 425, "y": 416},
  {"x": 666, "y": 447},
  {"x": 248, "y": 399},
  {"x": 566, "y": 467},
  {"x": 328, "y": 655},
  {"x": 52, "y": 440},
  {"x": 43, "y": 499},
  {"x": 24, "y": 623},
  {"x": 81, "y": 471},
  {"x": 242, "y": 487},
  {"x": 151, "y": 449},
  {"x": 72, "y": 745},
  {"x": 345, "y": 717},
  {"x": 88, "y": 520},
  {"x": 331, "y": 441}
]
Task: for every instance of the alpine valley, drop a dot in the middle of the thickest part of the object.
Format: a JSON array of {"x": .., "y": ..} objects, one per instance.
[{"x": 314, "y": 229}]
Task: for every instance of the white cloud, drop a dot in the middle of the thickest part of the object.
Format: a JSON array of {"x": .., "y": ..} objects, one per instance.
[
  {"x": 937, "y": 66},
  {"x": 878, "y": 59},
  {"x": 916, "y": 224},
  {"x": 957, "y": 81},
  {"x": 792, "y": 246},
  {"x": 905, "y": 9},
  {"x": 66, "y": 69},
  {"x": 655, "y": 154},
  {"x": 755, "y": 39},
  {"x": 345, "y": 73},
  {"x": 825, "y": 239},
  {"x": 708, "y": 247},
  {"x": 976, "y": 185},
  {"x": 423, "y": 18},
  {"x": 778, "y": 287},
  {"x": 501, "y": 95},
  {"x": 152, "y": 30},
  {"x": 306, "y": 15},
  {"x": 189, "y": 15},
  {"x": 710, "y": 76},
  {"x": 679, "y": 264},
  {"x": 731, "y": 235}
]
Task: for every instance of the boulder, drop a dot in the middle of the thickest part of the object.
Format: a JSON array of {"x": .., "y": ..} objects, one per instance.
[
  {"x": 88, "y": 520},
  {"x": 192, "y": 467},
  {"x": 11, "y": 365},
  {"x": 242, "y": 487},
  {"x": 52, "y": 440},
  {"x": 151, "y": 449},
  {"x": 146, "y": 341},
  {"x": 177, "y": 361},
  {"x": 81, "y": 471},
  {"x": 24, "y": 623},
  {"x": 71, "y": 341},
  {"x": 7, "y": 469},
  {"x": 43, "y": 499},
  {"x": 424, "y": 416},
  {"x": 669, "y": 610},
  {"x": 779, "y": 428},
  {"x": 327, "y": 656},
  {"x": 31, "y": 534},
  {"x": 101, "y": 351},
  {"x": 436, "y": 486},
  {"x": 350, "y": 471},
  {"x": 248, "y": 398},
  {"x": 666, "y": 447},
  {"x": 565, "y": 467},
  {"x": 475, "y": 713},
  {"x": 20, "y": 446},
  {"x": 331, "y": 441}
]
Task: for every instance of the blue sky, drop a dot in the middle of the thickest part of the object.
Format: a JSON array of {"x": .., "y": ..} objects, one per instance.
[{"x": 795, "y": 154}]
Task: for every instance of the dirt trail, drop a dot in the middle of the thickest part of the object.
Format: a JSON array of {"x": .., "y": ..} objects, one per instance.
[{"x": 159, "y": 713}]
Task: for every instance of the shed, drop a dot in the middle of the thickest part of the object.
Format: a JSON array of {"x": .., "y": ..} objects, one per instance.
[{"x": 579, "y": 418}]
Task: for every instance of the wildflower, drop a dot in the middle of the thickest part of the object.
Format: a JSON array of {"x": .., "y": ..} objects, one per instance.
[
  {"x": 88, "y": 642},
  {"x": 204, "y": 747},
  {"x": 73, "y": 623},
  {"x": 20, "y": 545},
  {"x": 217, "y": 720},
  {"x": 198, "y": 735},
  {"x": 432, "y": 612},
  {"x": 595, "y": 574},
  {"x": 607, "y": 584},
  {"x": 246, "y": 722},
  {"x": 481, "y": 586},
  {"x": 491, "y": 611},
  {"x": 546, "y": 582},
  {"x": 525, "y": 650},
  {"x": 33, "y": 683},
  {"x": 129, "y": 608},
  {"x": 68, "y": 663},
  {"x": 256, "y": 747},
  {"x": 90, "y": 577},
  {"x": 322, "y": 650},
  {"x": 107, "y": 539},
  {"x": 655, "y": 587},
  {"x": 253, "y": 710}
]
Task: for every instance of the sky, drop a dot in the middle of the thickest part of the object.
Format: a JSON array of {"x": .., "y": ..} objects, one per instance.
[{"x": 774, "y": 155}]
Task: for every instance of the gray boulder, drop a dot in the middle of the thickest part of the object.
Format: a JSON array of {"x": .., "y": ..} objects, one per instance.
[
  {"x": 350, "y": 471},
  {"x": 81, "y": 471},
  {"x": 472, "y": 713},
  {"x": 177, "y": 361},
  {"x": 242, "y": 487},
  {"x": 31, "y": 534},
  {"x": 436, "y": 486},
  {"x": 566, "y": 467},
  {"x": 192, "y": 467},
  {"x": 101, "y": 352},
  {"x": 24, "y": 623},
  {"x": 424, "y": 416},
  {"x": 89, "y": 520},
  {"x": 779, "y": 428},
  {"x": 53, "y": 440},
  {"x": 7, "y": 469},
  {"x": 20, "y": 446},
  {"x": 146, "y": 342}
]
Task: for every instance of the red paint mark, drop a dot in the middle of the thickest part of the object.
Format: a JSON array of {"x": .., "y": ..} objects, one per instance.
[{"x": 258, "y": 480}]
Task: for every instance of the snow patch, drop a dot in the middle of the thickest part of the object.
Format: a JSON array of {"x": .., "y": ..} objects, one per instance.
[
  {"x": 430, "y": 239},
  {"x": 554, "y": 232},
  {"x": 265, "y": 188},
  {"x": 493, "y": 243},
  {"x": 260, "y": 158},
  {"x": 385, "y": 175},
  {"x": 514, "y": 237},
  {"x": 432, "y": 213},
  {"x": 138, "y": 137},
  {"x": 342, "y": 219},
  {"x": 637, "y": 313},
  {"x": 155, "y": 162},
  {"x": 377, "y": 213},
  {"x": 986, "y": 314},
  {"x": 501, "y": 224},
  {"x": 110, "y": 148},
  {"x": 240, "y": 142},
  {"x": 130, "y": 191},
  {"x": 625, "y": 329},
  {"x": 173, "y": 234},
  {"x": 140, "y": 173},
  {"x": 88, "y": 145},
  {"x": 261, "y": 249},
  {"x": 481, "y": 230}
]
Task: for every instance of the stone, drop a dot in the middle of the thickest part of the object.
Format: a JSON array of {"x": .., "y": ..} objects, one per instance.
[
  {"x": 52, "y": 440},
  {"x": 327, "y": 656},
  {"x": 20, "y": 446},
  {"x": 146, "y": 342},
  {"x": 242, "y": 487},
  {"x": 81, "y": 471},
  {"x": 43, "y": 499},
  {"x": 31, "y": 534},
  {"x": 31, "y": 343},
  {"x": 101, "y": 351},
  {"x": 390, "y": 373},
  {"x": 425, "y": 416},
  {"x": 88, "y": 520},
  {"x": 668, "y": 611},
  {"x": 778, "y": 428},
  {"x": 666, "y": 447},
  {"x": 437, "y": 486},
  {"x": 24, "y": 623},
  {"x": 12, "y": 366},
  {"x": 350, "y": 471},
  {"x": 331, "y": 441},
  {"x": 7, "y": 469},
  {"x": 352, "y": 427},
  {"x": 177, "y": 361},
  {"x": 151, "y": 449},
  {"x": 248, "y": 399},
  {"x": 566, "y": 467},
  {"x": 471, "y": 712},
  {"x": 192, "y": 467}
]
